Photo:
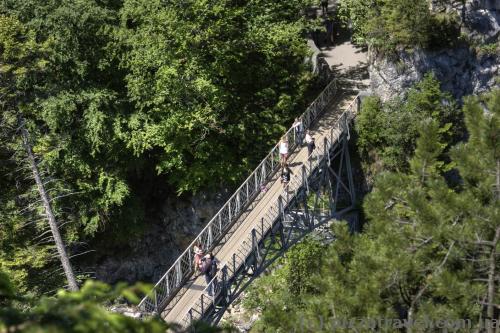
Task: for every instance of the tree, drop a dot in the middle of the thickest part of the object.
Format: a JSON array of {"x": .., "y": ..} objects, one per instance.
[
  {"x": 388, "y": 131},
  {"x": 430, "y": 248},
  {"x": 83, "y": 311},
  {"x": 389, "y": 26},
  {"x": 22, "y": 61},
  {"x": 212, "y": 84},
  {"x": 128, "y": 102},
  {"x": 478, "y": 162}
]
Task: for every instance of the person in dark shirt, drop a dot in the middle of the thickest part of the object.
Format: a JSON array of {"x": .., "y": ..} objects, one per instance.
[
  {"x": 285, "y": 176},
  {"x": 209, "y": 270}
]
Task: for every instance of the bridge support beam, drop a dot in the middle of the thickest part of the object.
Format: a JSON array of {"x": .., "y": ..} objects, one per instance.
[{"x": 331, "y": 183}]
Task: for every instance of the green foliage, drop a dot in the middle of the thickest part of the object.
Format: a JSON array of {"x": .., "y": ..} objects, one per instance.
[
  {"x": 389, "y": 25},
  {"x": 425, "y": 252},
  {"x": 280, "y": 294},
  {"x": 128, "y": 99},
  {"x": 227, "y": 73},
  {"x": 490, "y": 49},
  {"x": 82, "y": 311},
  {"x": 304, "y": 259},
  {"x": 388, "y": 131}
]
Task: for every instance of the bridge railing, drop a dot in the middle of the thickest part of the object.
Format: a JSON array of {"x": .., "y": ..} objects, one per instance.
[
  {"x": 228, "y": 270},
  {"x": 180, "y": 271}
]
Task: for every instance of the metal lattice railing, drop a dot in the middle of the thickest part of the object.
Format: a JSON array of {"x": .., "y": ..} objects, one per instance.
[
  {"x": 183, "y": 267},
  {"x": 229, "y": 270}
]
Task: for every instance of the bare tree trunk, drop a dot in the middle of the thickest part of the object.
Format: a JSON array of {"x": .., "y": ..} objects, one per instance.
[
  {"x": 490, "y": 307},
  {"x": 68, "y": 270},
  {"x": 497, "y": 190}
]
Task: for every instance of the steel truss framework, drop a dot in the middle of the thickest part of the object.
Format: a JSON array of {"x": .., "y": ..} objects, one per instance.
[
  {"x": 169, "y": 288},
  {"x": 326, "y": 180}
]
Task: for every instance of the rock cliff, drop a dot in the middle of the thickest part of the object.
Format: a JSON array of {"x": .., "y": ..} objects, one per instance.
[{"x": 472, "y": 68}]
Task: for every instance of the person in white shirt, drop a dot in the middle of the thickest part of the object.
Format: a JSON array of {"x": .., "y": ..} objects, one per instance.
[{"x": 283, "y": 150}]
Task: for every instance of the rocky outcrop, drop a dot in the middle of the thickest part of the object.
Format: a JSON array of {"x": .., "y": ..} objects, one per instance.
[
  {"x": 239, "y": 317},
  {"x": 460, "y": 71},
  {"x": 149, "y": 256},
  {"x": 465, "y": 70}
]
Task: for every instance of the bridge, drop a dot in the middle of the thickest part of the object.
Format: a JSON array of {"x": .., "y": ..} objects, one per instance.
[{"x": 255, "y": 226}]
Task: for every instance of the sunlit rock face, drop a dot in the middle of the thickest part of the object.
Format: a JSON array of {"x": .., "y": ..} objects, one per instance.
[
  {"x": 460, "y": 71},
  {"x": 465, "y": 70}
]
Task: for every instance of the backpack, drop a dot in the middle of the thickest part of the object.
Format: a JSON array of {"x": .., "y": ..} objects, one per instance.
[
  {"x": 205, "y": 265},
  {"x": 213, "y": 268}
]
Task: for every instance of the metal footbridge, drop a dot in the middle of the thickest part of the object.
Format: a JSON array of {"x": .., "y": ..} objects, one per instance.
[{"x": 255, "y": 226}]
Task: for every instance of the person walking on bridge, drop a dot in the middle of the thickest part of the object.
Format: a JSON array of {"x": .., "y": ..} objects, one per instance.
[
  {"x": 198, "y": 255},
  {"x": 310, "y": 144},
  {"x": 285, "y": 176},
  {"x": 283, "y": 150},
  {"x": 209, "y": 270},
  {"x": 299, "y": 131},
  {"x": 324, "y": 6}
]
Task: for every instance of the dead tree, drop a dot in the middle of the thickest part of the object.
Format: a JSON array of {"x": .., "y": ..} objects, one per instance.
[{"x": 45, "y": 198}]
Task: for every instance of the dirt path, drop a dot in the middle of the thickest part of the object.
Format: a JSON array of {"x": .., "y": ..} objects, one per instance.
[{"x": 346, "y": 60}]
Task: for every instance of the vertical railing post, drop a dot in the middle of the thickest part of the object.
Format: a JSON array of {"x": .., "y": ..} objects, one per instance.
[
  {"x": 307, "y": 216},
  {"x": 255, "y": 250},
  {"x": 352, "y": 190},
  {"x": 167, "y": 285},
  {"x": 282, "y": 234},
  {"x": 346, "y": 119},
  {"x": 210, "y": 236},
  {"x": 304, "y": 178},
  {"x": 156, "y": 302},
  {"x": 238, "y": 204},
  {"x": 202, "y": 305},
  {"x": 225, "y": 287},
  {"x": 229, "y": 211},
  {"x": 262, "y": 227},
  {"x": 256, "y": 177},
  {"x": 178, "y": 272},
  {"x": 234, "y": 263},
  {"x": 220, "y": 222},
  {"x": 272, "y": 159},
  {"x": 280, "y": 207}
]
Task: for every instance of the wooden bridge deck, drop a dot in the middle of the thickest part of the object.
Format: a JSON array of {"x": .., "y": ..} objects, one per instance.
[{"x": 234, "y": 239}]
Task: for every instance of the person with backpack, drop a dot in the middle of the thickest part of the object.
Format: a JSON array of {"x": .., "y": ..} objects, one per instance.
[
  {"x": 310, "y": 144},
  {"x": 209, "y": 270},
  {"x": 285, "y": 176}
]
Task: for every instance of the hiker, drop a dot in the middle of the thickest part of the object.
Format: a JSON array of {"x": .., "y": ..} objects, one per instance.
[
  {"x": 329, "y": 31},
  {"x": 198, "y": 254},
  {"x": 209, "y": 270},
  {"x": 283, "y": 150},
  {"x": 285, "y": 176},
  {"x": 324, "y": 6},
  {"x": 310, "y": 144},
  {"x": 299, "y": 130}
]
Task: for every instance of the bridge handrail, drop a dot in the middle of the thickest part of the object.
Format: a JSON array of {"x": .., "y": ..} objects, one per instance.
[
  {"x": 204, "y": 302},
  {"x": 182, "y": 268}
]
